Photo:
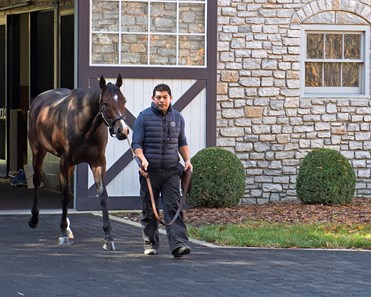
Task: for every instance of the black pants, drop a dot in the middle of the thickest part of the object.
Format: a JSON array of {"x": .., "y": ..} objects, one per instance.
[{"x": 165, "y": 182}]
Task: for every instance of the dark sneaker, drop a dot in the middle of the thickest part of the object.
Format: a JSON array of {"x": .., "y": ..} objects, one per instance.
[
  {"x": 150, "y": 252},
  {"x": 19, "y": 179},
  {"x": 181, "y": 251}
]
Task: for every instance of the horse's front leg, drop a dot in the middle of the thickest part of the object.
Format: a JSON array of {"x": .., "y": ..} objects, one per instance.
[
  {"x": 98, "y": 172},
  {"x": 66, "y": 170},
  {"x": 34, "y": 220},
  {"x": 37, "y": 161}
]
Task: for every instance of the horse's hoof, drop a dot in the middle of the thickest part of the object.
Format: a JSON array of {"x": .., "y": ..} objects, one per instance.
[
  {"x": 109, "y": 245},
  {"x": 32, "y": 224},
  {"x": 64, "y": 240}
]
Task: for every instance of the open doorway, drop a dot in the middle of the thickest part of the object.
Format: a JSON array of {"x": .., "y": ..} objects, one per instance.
[
  {"x": 42, "y": 43},
  {"x": 37, "y": 55},
  {"x": 51, "y": 66},
  {"x": 17, "y": 91}
]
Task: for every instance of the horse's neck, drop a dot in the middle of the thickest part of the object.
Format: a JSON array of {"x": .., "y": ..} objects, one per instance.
[
  {"x": 91, "y": 105},
  {"x": 95, "y": 104},
  {"x": 97, "y": 123}
]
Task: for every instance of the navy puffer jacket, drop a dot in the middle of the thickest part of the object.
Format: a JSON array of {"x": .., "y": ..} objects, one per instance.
[{"x": 160, "y": 137}]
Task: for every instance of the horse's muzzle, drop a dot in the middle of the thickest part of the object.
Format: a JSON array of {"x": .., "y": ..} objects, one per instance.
[
  {"x": 119, "y": 129},
  {"x": 122, "y": 133}
]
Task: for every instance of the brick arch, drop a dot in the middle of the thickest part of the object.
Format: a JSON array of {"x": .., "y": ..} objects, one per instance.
[{"x": 319, "y": 6}]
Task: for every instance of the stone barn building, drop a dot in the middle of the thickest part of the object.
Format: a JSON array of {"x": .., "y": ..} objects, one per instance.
[
  {"x": 293, "y": 75},
  {"x": 269, "y": 80}
]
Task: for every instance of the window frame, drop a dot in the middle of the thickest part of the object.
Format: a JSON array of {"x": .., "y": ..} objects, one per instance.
[
  {"x": 363, "y": 91},
  {"x": 148, "y": 34}
]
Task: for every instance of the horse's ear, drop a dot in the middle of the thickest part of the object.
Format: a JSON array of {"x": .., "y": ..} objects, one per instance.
[
  {"x": 102, "y": 82},
  {"x": 119, "y": 81}
]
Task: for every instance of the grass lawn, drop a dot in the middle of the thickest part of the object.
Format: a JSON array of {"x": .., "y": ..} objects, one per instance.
[{"x": 285, "y": 235}]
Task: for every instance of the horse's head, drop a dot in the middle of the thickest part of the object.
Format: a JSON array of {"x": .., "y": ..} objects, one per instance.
[{"x": 112, "y": 108}]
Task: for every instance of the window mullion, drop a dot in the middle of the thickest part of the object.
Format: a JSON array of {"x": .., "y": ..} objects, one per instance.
[
  {"x": 177, "y": 35},
  {"x": 119, "y": 32},
  {"x": 149, "y": 34}
]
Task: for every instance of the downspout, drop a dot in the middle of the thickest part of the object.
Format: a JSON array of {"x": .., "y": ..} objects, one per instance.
[
  {"x": 57, "y": 30},
  {"x": 76, "y": 67}
]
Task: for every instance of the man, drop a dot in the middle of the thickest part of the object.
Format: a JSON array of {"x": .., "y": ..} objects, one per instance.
[{"x": 158, "y": 138}]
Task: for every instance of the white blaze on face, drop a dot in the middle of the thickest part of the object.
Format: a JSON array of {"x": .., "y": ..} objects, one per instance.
[
  {"x": 124, "y": 124},
  {"x": 116, "y": 98}
]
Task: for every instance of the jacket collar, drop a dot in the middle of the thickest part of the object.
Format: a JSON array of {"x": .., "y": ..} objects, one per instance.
[{"x": 157, "y": 111}]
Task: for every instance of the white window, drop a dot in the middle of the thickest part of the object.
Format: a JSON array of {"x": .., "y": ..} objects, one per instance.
[
  {"x": 335, "y": 61},
  {"x": 148, "y": 33}
]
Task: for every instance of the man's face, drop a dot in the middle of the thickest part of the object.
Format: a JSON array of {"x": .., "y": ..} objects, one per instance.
[{"x": 162, "y": 100}]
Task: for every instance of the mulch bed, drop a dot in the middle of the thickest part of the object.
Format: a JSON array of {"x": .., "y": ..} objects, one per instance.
[{"x": 357, "y": 212}]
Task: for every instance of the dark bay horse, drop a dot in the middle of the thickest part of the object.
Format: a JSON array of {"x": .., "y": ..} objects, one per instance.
[{"x": 72, "y": 125}]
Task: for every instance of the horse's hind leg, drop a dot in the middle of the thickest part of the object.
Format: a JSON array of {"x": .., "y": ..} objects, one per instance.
[
  {"x": 98, "y": 172},
  {"x": 37, "y": 162},
  {"x": 65, "y": 175}
]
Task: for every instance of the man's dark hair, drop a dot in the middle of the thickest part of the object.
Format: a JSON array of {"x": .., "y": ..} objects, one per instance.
[{"x": 161, "y": 88}]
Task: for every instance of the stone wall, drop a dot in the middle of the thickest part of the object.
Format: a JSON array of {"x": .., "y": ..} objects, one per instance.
[{"x": 261, "y": 116}]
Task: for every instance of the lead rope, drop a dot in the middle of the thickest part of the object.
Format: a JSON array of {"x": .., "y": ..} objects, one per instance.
[{"x": 152, "y": 198}]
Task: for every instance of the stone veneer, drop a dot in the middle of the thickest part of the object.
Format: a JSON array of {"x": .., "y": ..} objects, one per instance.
[{"x": 261, "y": 116}]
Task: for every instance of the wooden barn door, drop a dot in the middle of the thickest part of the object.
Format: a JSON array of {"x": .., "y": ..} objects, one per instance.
[{"x": 194, "y": 92}]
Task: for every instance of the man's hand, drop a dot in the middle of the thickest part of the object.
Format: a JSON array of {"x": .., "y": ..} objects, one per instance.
[
  {"x": 143, "y": 167},
  {"x": 188, "y": 166},
  {"x": 184, "y": 152},
  {"x": 142, "y": 162}
]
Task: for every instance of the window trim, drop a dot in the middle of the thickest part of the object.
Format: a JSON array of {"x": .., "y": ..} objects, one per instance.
[{"x": 340, "y": 92}]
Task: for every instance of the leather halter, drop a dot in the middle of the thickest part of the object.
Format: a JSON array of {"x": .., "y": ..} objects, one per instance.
[{"x": 108, "y": 121}]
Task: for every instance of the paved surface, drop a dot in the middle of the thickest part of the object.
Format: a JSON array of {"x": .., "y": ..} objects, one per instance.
[{"x": 32, "y": 264}]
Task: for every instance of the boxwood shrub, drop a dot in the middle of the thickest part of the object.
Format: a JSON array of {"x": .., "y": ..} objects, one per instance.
[
  {"x": 325, "y": 177},
  {"x": 218, "y": 179}
]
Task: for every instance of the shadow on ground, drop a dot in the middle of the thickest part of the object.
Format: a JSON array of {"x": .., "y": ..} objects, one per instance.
[{"x": 21, "y": 198}]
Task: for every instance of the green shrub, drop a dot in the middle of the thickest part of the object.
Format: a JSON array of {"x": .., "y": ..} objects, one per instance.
[
  {"x": 325, "y": 177},
  {"x": 218, "y": 179}
]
